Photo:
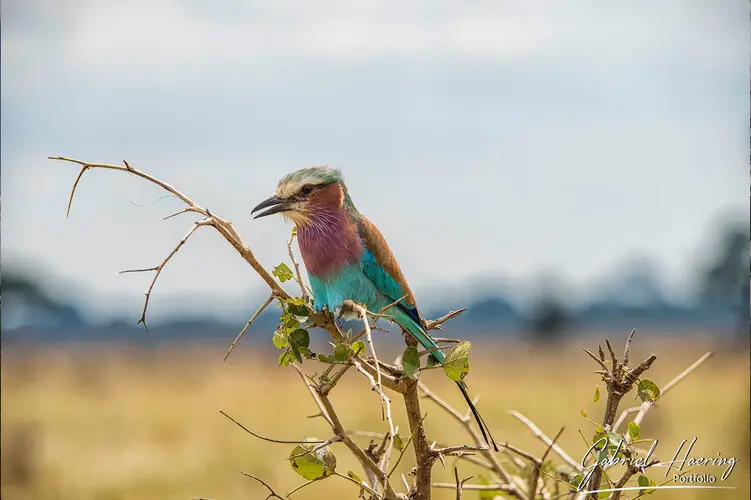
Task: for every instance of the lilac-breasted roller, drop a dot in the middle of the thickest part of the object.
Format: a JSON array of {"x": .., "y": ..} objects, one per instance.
[{"x": 346, "y": 256}]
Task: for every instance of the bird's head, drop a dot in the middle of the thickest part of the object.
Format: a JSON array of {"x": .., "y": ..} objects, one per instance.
[{"x": 308, "y": 192}]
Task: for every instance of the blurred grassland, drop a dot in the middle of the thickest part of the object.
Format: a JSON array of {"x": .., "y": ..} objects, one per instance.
[{"x": 109, "y": 422}]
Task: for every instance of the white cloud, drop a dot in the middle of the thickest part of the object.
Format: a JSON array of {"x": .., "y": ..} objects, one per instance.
[
  {"x": 159, "y": 36},
  {"x": 168, "y": 42}
]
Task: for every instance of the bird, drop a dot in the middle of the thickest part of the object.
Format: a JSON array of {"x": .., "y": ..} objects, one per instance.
[{"x": 348, "y": 259}]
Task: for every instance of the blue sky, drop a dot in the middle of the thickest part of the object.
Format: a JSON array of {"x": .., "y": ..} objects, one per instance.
[{"x": 509, "y": 138}]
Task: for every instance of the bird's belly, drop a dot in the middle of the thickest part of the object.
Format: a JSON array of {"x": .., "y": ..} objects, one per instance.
[{"x": 349, "y": 283}]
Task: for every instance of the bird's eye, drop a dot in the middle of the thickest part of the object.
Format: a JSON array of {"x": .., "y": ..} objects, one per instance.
[{"x": 307, "y": 189}]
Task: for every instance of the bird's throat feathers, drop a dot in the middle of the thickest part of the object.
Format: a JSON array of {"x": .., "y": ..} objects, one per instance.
[{"x": 327, "y": 232}]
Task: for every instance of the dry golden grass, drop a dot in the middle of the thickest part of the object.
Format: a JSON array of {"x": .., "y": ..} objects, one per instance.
[{"x": 110, "y": 422}]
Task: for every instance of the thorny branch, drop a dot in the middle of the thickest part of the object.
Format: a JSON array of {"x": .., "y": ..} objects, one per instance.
[
  {"x": 459, "y": 483},
  {"x": 160, "y": 267},
  {"x": 646, "y": 405},
  {"x": 225, "y": 228},
  {"x": 619, "y": 379}
]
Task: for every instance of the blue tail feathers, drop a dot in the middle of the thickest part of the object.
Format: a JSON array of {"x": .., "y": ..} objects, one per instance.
[{"x": 407, "y": 321}]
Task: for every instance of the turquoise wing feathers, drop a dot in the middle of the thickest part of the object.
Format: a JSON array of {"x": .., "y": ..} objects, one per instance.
[{"x": 379, "y": 265}]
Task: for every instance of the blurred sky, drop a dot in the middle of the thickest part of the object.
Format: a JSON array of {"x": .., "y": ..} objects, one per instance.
[{"x": 506, "y": 137}]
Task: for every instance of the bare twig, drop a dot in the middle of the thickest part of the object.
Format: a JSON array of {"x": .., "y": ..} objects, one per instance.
[
  {"x": 406, "y": 446},
  {"x": 313, "y": 393},
  {"x": 513, "y": 487},
  {"x": 627, "y": 349},
  {"x": 436, "y": 323},
  {"x": 362, "y": 484},
  {"x": 160, "y": 267},
  {"x": 545, "y": 439},
  {"x": 646, "y": 405},
  {"x": 298, "y": 488},
  {"x": 272, "y": 493},
  {"x": 225, "y": 228},
  {"x": 631, "y": 469},
  {"x": 389, "y": 441},
  {"x": 460, "y": 483},
  {"x": 298, "y": 276},
  {"x": 477, "y": 487},
  {"x": 613, "y": 359},
  {"x": 375, "y": 474},
  {"x": 521, "y": 453},
  {"x": 371, "y": 468},
  {"x": 597, "y": 360},
  {"x": 247, "y": 325},
  {"x": 280, "y": 441},
  {"x": 454, "y": 450},
  {"x": 317, "y": 447},
  {"x": 363, "y": 313},
  {"x": 539, "y": 465},
  {"x": 378, "y": 315}
]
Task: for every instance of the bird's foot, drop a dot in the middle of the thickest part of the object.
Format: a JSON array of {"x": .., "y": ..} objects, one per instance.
[{"x": 350, "y": 310}]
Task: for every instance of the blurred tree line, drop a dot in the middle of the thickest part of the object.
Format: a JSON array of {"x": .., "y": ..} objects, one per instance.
[
  {"x": 635, "y": 301},
  {"x": 723, "y": 286}
]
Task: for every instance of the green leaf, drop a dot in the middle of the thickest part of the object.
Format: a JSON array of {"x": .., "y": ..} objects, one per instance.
[
  {"x": 299, "y": 340},
  {"x": 290, "y": 322},
  {"x": 576, "y": 480},
  {"x": 650, "y": 490},
  {"x": 358, "y": 347},
  {"x": 341, "y": 353},
  {"x": 279, "y": 340},
  {"x": 614, "y": 440},
  {"x": 648, "y": 390},
  {"x": 323, "y": 358},
  {"x": 597, "y": 394},
  {"x": 300, "y": 337},
  {"x": 597, "y": 440},
  {"x": 300, "y": 312},
  {"x": 286, "y": 358},
  {"x": 643, "y": 481},
  {"x": 456, "y": 364},
  {"x": 433, "y": 361},
  {"x": 296, "y": 352},
  {"x": 410, "y": 361},
  {"x": 283, "y": 272},
  {"x": 354, "y": 476},
  {"x": 295, "y": 301},
  {"x": 312, "y": 466},
  {"x": 398, "y": 443},
  {"x": 634, "y": 431}
]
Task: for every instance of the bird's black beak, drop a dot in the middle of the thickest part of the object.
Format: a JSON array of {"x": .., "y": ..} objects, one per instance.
[{"x": 277, "y": 205}]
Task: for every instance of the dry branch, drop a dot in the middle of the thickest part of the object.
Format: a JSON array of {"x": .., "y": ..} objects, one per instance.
[
  {"x": 545, "y": 439},
  {"x": 272, "y": 493},
  {"x": 247, "y": 325},
  {"x": 619, "y": 380},
  {"x": 375, "y": 459}
]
